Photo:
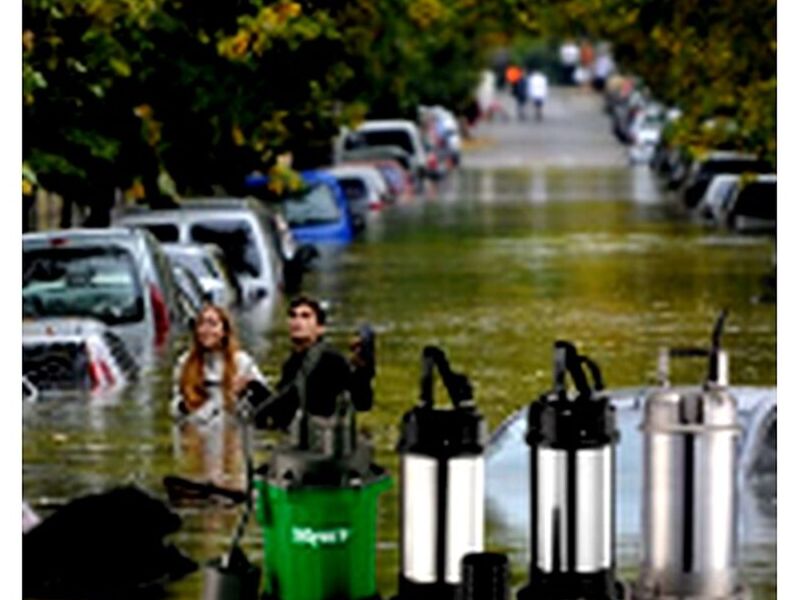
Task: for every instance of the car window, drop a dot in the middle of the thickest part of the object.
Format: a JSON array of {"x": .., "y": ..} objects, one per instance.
[
  {"x": 162, "y": 232},
  {"x": 56, "y": 365},
  {"x": 314, "y": 207},
  {"x": 354, "y": 188},
  {"x": 237, "y": 241},
  {"x": 81, "y": 282},
  {"x": 758, "y": 199},
  {"x": 387, "y": 137},
  {"x": 198, "y": 264}
]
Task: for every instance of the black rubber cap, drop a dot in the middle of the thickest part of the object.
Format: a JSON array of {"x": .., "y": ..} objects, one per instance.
[
  {"x": 484, "y": 576},
  {"x": 572, "y": 424},
  {"x": 442, "y": 433}
]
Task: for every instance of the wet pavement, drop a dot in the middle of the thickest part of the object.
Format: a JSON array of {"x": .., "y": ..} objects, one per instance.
[{"x": 544, "y": 234}]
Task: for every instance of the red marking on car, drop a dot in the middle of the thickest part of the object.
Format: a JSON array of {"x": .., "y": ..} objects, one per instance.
[{"x": 160, "y": 315}]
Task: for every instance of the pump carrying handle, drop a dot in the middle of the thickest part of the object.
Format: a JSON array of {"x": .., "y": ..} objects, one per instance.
[
  {"x": 457, "y": 385},
  {"x": 567, "y": 360},
  {"x": 717, "y": 362}
]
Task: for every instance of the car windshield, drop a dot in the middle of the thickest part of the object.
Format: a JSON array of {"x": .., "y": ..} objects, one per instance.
[
  {"x": 317, "y": 206},
  {"x": 384, "y": 137},
  {"x": 237, "y": 240},
  {"x": 354, "y": 188},
  {"x": 55, "y": 366},
  {"x": 81, "y": 282},
  {"x": 197, "y": 263}
]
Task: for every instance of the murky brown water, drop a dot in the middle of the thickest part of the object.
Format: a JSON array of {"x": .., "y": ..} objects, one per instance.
[{"x": 492, "y": 269}]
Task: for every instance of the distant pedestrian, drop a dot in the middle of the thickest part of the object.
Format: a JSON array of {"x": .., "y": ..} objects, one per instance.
[
  {"x": 570, "y": 54},
  {"x": 603, "y": 68},
  {"x": 587, "y": 63},
  {"x": 537, "y": 92},
  {"x": 516, "y": 81}
]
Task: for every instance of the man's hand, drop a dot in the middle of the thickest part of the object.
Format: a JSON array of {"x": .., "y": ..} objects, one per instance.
[{"x": 362, "y": 349}]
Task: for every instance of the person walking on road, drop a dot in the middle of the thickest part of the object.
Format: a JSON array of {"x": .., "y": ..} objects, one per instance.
[{"x": 537, "y": 92}]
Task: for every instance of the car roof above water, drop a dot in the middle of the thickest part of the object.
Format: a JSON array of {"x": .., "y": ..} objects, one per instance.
[{"x": 77, "y": 236}]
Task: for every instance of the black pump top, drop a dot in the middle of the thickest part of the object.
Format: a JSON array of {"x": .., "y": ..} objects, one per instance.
[
  {"x": 438, "y": 432},
  {"x": 584, "y": 420}
]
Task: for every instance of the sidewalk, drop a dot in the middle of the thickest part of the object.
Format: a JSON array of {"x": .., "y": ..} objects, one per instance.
[{"x": 575, "y": 132}]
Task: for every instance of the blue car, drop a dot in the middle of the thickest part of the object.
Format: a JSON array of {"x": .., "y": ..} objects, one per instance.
[{"x": 320, "y": 213}]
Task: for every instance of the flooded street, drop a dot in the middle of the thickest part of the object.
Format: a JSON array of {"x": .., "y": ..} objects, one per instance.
[{"x": 544, "y": 234}]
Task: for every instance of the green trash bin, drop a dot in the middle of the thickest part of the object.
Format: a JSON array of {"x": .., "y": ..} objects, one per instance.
[{"x": 317, "y": 505}]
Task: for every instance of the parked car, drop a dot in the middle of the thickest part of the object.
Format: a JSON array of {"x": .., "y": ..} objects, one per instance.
[
  {"x": 441, "y": 132},
  {"x": 391, "y": 132},
  {"x": 73, "y": 355},
  {"x": 704, "y": 168},
  {"x": 399, "y": 182},
  {"x": 117, "y": 275},
  {"x": 318, "y": 213},
  {"x": 721, "y": 186},
  {"x": 753, "y": 205},
  {"x": 190, "y": 291},
  {"x": 207, "y": 263},
  {"x": 365, "y": 190},
  {"x": 644, "y": 133},
  {"x": 242, "y": 228}
]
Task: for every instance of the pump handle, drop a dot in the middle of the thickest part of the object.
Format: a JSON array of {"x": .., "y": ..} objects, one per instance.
[
  {"x": 717, "y": 367},
  {"x": 567, "y": 360},
  {"x": 597, "y": 375},
  {"x": 457, "y": 385}
]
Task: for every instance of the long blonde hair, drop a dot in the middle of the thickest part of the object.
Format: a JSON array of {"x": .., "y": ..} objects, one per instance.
[{"x": 192, "y": 381}]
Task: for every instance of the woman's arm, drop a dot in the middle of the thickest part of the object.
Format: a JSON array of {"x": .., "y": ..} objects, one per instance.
[{"x": 178, "y": 406}]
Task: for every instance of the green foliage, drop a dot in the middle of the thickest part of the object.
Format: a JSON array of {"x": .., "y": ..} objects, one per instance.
[
  {"x": 715, "y": 60},
  {"x": 117, "y": 92}
]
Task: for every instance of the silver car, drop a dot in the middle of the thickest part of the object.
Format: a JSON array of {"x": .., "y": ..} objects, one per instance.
[
  {"x": 73, "y": 355},
  {"x": 119, "y": 276},
  {"x": 207, "y": 262},
  {"x": 242, "y": 228}
]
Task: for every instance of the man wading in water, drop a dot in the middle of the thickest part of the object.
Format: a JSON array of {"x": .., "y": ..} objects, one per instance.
[{"x": 325, "y": 372}]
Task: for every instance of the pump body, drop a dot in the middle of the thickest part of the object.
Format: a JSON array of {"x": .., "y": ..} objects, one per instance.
[
  {"x": 317, "y": 504},
  {"x": 442, "y": 486},
  {"x": 572, "y": 487},
  {"x": 689, "y": 494}
]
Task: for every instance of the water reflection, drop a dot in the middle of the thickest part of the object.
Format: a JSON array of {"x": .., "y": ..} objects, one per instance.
[{"x": 512, "y": 261}]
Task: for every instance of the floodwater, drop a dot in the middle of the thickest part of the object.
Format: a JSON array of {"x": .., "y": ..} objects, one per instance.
[{"x": 492, "y": 267}]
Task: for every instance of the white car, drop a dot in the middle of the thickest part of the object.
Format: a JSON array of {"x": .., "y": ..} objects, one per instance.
[
  {"x": 364, "y": 187},
  {"x": 722, "y": 185},
  {"x": 207, "y": 262},
  {"x": 119, "y": 276},
  {"x": 398, "y": 133},
  {"x": 242, "y": 228},
  {"x": 73, "y": 355}
]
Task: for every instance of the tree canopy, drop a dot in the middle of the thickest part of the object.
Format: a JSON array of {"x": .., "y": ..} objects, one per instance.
[{"x": 167, "y": 97}]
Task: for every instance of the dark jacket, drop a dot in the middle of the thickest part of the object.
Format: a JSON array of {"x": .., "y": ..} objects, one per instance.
[{"x": 330, "y": 375}]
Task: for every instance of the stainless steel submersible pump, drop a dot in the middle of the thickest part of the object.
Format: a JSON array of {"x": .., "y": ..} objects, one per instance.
[
  {"x": 689, "y": 498},
  {"x": 572, "y": 439}
]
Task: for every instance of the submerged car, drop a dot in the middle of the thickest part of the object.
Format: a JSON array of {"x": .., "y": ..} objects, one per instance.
[
  {"x": 704, "y": 169},
  {"x": 73, "y": 355},
  {"x": 398, "y": 133},
  {"x": 207, "y": 263},
  {"x": 365, "y": 190},
  {"x": 753, "y": 205},
  {"x": 242, "y": 228},
  {"x": 318, "y": 212},
  {"x": 119, "y": 276}
]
